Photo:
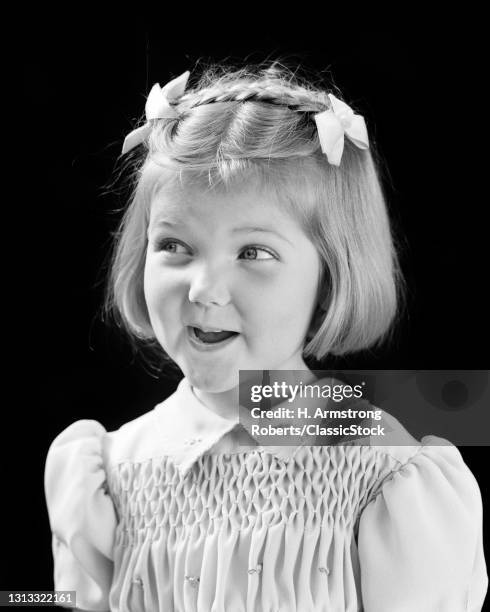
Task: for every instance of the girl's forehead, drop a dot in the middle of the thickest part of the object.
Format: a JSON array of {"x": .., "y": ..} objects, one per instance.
[{"x": 184, "y": 204}]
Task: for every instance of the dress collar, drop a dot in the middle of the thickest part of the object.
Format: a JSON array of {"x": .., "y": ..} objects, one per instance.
[{"x": 188, "y": 429}]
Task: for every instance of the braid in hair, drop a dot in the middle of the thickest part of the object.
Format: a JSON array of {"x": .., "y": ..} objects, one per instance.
[{"x": 295, "y": 98}]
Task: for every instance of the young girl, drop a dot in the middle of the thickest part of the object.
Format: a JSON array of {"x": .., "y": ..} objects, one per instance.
[{"x": 257, "y": 236}]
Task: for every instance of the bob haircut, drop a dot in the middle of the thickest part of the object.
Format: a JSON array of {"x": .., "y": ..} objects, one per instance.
[{"x": 254, "y": 126}]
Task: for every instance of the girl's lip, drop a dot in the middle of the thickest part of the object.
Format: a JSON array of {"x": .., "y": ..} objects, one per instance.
[{"x": 200, "y": 346}]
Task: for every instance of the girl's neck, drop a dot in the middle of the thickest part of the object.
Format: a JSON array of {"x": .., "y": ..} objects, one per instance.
[{"x": 225, "y": 404}]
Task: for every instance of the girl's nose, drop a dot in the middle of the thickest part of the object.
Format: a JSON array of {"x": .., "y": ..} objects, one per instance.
[{"x": 208, "y": 287}]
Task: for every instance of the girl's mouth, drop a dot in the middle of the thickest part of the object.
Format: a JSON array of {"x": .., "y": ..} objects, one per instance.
[{"x": 210, "y": 339}]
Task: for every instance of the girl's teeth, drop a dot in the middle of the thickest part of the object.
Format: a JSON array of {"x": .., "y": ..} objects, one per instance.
[{"x": 211, "y": 337}]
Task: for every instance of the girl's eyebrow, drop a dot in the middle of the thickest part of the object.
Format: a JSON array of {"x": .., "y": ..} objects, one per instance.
[
  {"x": 248, "y": 229},
  {"x": 265, "y": 230}
]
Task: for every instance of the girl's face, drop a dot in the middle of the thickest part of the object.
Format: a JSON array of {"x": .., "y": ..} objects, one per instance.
[{"x": 229, "y": 262}]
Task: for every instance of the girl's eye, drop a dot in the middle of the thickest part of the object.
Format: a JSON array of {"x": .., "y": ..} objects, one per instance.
[
  {"x": 250, "y": 251},
  {"x": 162, "y": 246},
  {"x": 254, "y": 249}
]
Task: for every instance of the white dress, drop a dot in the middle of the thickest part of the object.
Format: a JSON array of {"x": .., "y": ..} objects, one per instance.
[{"x": 157, "y": 517}]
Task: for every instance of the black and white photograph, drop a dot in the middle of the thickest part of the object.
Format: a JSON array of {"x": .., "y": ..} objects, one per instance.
[{"x": 249, "y": 364}]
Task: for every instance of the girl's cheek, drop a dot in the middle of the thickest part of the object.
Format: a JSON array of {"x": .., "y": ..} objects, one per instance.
[
  {"x": 155, "y": 284},
  {"x": 155, "y": 275}
]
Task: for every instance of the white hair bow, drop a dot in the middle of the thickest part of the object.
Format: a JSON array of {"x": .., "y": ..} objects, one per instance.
[
  {"x": 333, "y": 123},
  {"x": 157, "y": 107}
]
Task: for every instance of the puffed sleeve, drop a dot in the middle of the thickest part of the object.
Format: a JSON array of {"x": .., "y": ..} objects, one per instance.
[
  {"x": 420, "y": 537},
  {"x": 81, "y": 514}
]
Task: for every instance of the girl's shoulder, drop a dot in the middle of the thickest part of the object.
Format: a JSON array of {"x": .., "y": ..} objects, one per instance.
[
  {"x": 397, "y": 443},
  {"x": 134, "y": 441},
  {"x": 141, "y": 438}
]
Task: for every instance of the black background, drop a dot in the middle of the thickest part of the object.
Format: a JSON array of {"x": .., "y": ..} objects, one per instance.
[{"x": 418, "y": 80}]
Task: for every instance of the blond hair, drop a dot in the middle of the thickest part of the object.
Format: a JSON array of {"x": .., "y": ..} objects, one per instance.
[{"x": 256, "y": 124}]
